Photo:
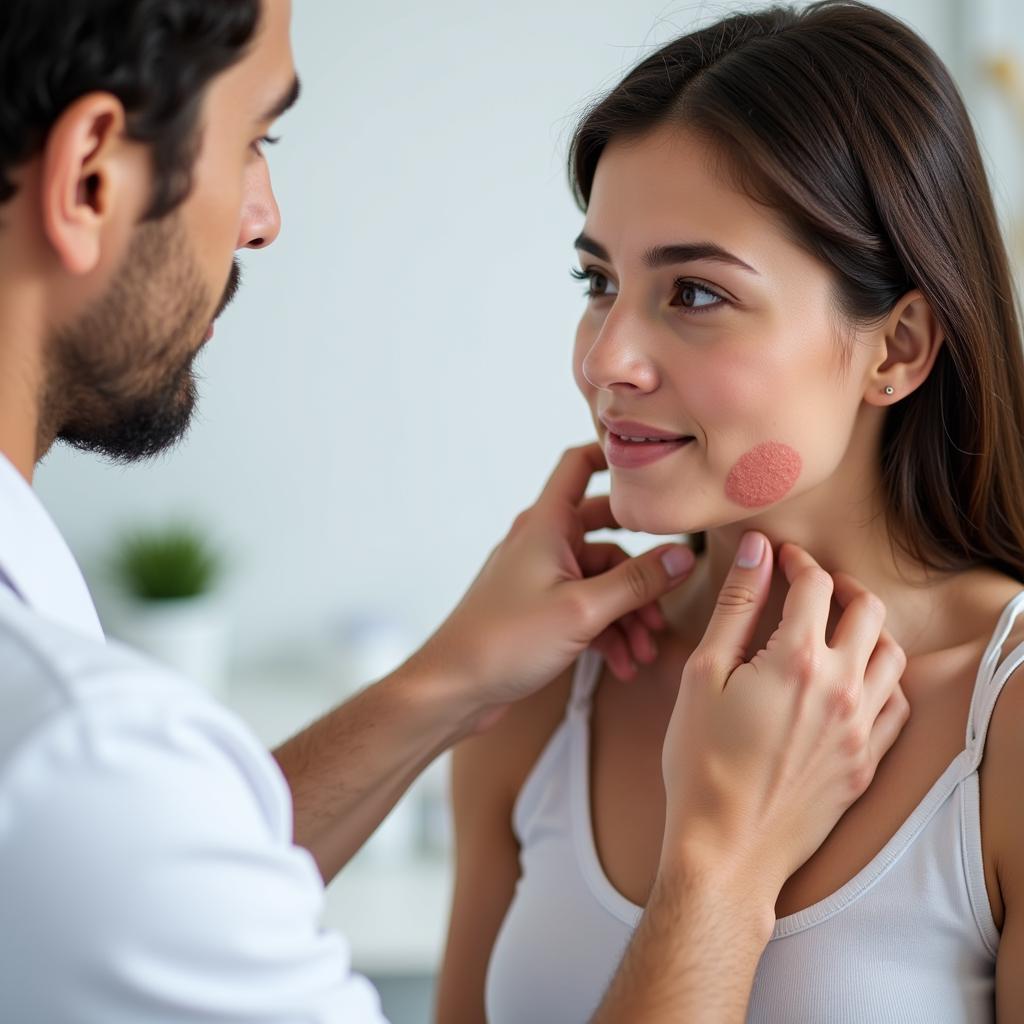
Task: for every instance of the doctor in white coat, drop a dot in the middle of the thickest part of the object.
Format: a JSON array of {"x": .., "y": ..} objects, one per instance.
[{"x": 157, "y": 864}]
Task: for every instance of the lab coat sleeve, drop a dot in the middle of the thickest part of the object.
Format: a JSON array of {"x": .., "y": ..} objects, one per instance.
[{"x": 147, "y": 874}]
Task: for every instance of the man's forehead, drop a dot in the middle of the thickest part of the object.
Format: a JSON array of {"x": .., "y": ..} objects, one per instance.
[{"x": 266, "y": 74}]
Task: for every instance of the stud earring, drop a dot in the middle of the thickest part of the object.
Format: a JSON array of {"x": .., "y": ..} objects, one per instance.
[{"x": 889, "y": 389}]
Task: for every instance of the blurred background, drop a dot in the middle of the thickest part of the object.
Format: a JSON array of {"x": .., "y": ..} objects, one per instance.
[{"x": 393, "y": 382}]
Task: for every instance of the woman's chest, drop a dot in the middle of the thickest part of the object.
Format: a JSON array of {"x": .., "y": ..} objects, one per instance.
[{"x": 627, "y": 800}]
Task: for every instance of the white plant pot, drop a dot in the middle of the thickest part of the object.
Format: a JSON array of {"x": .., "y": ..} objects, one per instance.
[{"x": 189, "y": 635}]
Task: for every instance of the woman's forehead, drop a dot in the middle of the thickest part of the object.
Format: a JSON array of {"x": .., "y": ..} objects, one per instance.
[{"x": 668, "y": 187}]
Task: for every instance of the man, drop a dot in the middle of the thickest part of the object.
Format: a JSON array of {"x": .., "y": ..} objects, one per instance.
[{"x": 145, "y": 838}]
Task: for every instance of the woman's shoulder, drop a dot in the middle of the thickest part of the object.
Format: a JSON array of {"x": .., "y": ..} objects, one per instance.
[
  {"x": 1001, "y": 771},
  {"x": 500, "y": 759}
]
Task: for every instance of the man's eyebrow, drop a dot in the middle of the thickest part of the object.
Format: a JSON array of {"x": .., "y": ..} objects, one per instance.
[
  {"x": 287, "y": 100},
  {"x": 666, "y": 255}
]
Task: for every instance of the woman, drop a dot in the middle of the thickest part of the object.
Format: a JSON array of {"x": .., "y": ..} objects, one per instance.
[{"x": 799, "y": 319}]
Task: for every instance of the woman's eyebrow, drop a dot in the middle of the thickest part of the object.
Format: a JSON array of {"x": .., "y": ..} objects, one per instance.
[{"x": 666, "y": 255}]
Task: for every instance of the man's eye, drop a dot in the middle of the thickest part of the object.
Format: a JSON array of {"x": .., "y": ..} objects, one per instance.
[{"x": 265, "y": 140}]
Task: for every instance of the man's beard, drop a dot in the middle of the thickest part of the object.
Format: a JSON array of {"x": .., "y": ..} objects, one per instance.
[{"x": 120, "y": 380}]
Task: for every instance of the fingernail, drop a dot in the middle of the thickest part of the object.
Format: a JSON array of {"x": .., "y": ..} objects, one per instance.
[
  {"x": 677, "y": 561},
  {"x": 751, "y": 551}
]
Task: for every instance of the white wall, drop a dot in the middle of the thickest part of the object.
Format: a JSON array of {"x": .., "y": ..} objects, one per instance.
[{"x": 393, "y": 382}]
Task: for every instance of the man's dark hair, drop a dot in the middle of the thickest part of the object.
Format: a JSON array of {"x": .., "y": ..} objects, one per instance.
[{"x": 155, "y": 56}]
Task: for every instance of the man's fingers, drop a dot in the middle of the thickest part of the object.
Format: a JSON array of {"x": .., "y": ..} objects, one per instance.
[
  {"x": 630, "y": 584},
  {"x": 739, "y": 605},
  {"x": 653, "y": 617},
  {"x": 807, "y": 605},
  {"x": 596, "y": 558},
  {"x": 888, "y": 725},
  {"x": 641, "y": 646},
  {"x": 861, "y": 622},
  {"x": 884, "y": 671},
  {"x": 568, "y": 483},
  {"x": 611, "y": 645},
  {"x": 596, "y": 513},
  {"x": 600, "y": 556}
]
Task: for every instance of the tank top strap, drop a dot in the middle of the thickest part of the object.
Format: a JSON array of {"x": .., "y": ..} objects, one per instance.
[
  {"x": 993, "y": 673},
  {"x": 584, "y": 681}
]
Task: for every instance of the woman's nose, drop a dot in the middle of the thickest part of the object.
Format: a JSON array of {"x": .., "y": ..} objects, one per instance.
[{"x": 618, "y": 358}]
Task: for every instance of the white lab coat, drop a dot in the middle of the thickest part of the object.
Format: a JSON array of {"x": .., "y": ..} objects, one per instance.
[{"x": 147, "y": 870}]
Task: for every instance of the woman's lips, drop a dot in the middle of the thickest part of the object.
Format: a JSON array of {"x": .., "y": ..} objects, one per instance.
[{"x": 625, "y": 454}]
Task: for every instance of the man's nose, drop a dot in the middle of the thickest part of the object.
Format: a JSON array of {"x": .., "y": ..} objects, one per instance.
[{"x": 261, "y": 218}]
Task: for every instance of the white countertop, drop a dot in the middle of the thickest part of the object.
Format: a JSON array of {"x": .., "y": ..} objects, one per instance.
[{"x": 391, "y": 905}]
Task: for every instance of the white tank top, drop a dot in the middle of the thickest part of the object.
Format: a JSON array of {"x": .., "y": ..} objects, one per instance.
[{"x": 910, "y": 938}]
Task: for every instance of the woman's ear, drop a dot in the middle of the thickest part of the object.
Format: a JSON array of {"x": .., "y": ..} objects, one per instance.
[
  {"x": 911, "y": 339},
  {"x": 83, "y": 179}
]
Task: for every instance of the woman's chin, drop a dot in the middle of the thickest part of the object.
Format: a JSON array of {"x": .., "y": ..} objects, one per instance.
[{"x": 658, "y": 522}]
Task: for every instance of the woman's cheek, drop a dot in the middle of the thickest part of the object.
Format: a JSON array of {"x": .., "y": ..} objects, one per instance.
[{"x": 763, "y": 475}]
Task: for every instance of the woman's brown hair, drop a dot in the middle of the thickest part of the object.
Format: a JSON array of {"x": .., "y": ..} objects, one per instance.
[{"x": 847, "y": 123}]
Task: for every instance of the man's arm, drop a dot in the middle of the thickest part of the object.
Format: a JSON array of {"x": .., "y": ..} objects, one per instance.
[
  {"x": 695, "y": 951},
  {"x": 761, "y": 759},
  {"x": 348, "y": 769},
  {"x": 147, "y": 869},
  {"x": 541, "y": 599}
]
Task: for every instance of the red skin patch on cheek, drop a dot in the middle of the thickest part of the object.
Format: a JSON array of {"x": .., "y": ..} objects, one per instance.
[{"x": 763, "y": 475}]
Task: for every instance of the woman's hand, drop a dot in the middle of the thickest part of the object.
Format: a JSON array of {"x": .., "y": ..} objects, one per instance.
[
  {"x": 545, "y": 595},
  {"x": 762, "y": 757}
]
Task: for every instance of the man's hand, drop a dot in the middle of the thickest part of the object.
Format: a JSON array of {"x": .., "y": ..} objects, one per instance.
[
  {"x": 545, "y": 595},
  {"x": 761, "y": 759}
]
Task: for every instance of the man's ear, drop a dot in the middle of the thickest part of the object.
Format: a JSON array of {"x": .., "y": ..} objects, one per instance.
[
  {"x": 912, "y": 337},
  {"x": 86, "y": 179}
]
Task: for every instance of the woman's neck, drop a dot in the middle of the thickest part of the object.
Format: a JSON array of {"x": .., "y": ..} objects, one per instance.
[{"x": 917, "y": 613}]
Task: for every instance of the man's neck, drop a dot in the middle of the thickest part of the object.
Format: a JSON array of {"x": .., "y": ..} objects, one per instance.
[
  {"x": 19, "y": 417},
  {"x": 20, "y": 395},
  {"x": 24, "y": 309}
]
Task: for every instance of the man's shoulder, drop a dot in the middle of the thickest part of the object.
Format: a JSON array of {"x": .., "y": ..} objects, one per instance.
[
  {"x": 74, "y": 706},
  {"x": 145, "y": 847}
]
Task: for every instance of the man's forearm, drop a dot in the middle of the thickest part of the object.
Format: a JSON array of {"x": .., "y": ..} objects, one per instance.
[
  {"x": 694, "y": 954},
  {"x": 348, "y": 769}
]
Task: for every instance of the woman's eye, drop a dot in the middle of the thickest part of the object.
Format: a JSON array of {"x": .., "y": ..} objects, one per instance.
[
  {"x": 598, "y": 284},
  {"x": 691, "y": 295}
]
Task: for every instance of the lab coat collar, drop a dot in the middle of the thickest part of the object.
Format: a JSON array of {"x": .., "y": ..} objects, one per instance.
[{"x": 35, "y": 561}]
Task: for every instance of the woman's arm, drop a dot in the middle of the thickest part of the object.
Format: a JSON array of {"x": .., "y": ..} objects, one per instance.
[
  {"x": 1004, "y": 768},
  {"x": 487, "y": 774}
]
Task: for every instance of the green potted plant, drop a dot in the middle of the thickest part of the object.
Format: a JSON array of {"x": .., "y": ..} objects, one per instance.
[{"x": 167, "y": 580}]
